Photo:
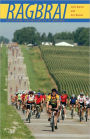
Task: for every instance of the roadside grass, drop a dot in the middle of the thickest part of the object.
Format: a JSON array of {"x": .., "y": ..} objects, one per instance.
[
  {"x": 37, "y": 71},
  {"x": 11, "y": 125}
]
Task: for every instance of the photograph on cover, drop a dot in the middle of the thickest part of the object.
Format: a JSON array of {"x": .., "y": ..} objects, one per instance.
[{"x": 44, "y": 80}]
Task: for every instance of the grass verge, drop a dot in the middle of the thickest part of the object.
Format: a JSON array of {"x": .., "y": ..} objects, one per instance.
[
  {"x": 36, "y": 70},
  {"x": 11, "y": 125}
]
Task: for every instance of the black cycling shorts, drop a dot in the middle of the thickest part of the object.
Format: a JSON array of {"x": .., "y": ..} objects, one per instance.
[
  {"x": 53, "y": 105},
  {"x": 20, "y": 101},
  {"x": 29, "y": 104},
  {"x": 82, "y": 104},
  {"x": 88, "y": 106},
  {"x": 63, "y": 103}
]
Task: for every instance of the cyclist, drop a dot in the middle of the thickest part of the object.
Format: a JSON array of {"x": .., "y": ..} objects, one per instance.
[
  {"x": 53, "y": 102},
  {"x": 88, "y": 104},
  {"x": 23, "y": 100},
  {"x": 38, "y": 101},
  {"x": 73, "y": 101},
  {"x": 81, "y": 101},
  {"x": 19, "y": 99},
  {"x": 64, "y": 98},
  {"x": 30, "y": 101}
]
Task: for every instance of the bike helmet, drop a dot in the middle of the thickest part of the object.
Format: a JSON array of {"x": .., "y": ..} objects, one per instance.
[
  {"x": 73, "y": 95},
  {"x": 38, "y": 94},
  {"x": 87, "y": 97},
  {"x": 63, "y": 92},
  {"x": 54, "y": 90},
  {"x": 30, "y": 92},
  {"x": 81, "y": 94}
]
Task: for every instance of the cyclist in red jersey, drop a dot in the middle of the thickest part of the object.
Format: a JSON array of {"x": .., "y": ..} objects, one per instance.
[
  {"x": 64, "y": 98},
  {"x": 38, "y": 99}
]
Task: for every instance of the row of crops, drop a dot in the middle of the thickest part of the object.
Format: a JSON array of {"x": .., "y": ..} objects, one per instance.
[{"x": 69, "y": 67}]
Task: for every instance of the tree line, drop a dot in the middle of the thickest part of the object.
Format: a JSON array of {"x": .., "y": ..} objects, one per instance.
[
  {"x": 30, "y": 35},
  {"x": 4, "y": 39}
]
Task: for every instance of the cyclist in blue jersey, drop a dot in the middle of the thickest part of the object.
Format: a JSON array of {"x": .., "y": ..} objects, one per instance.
[{"x": 73, "y": 101}]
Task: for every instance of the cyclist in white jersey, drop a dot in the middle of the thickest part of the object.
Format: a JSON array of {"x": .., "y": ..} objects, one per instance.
[
  {"x": 88, "y": 104},
  {"x": 30, "y": 101},
  {"x": 81, "y": 101}
]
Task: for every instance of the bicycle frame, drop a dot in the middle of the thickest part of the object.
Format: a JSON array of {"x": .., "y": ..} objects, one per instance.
[
  {"x": 62, "y": 112},
  {"x": 52, "y": 119}
]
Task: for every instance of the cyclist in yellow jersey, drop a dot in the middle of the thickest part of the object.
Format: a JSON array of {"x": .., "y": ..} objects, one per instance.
[{"x": 53, "y": 102}]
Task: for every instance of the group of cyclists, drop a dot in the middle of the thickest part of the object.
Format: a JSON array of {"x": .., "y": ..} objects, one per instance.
[
  {"x": 29, "y": 100},
  {"x": 55, "y": 103}
]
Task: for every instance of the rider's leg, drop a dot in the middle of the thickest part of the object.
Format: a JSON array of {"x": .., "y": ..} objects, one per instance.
[
  {"x": 49, "y": 111},
  {"x": 65, "y": 111},
  {"x": 70, "y": 106},
  {"x": 55, "y": 119},
  {"x": 27, "y": 113},
  {"x": 74, "y": 108},
  {"x": 82, "y": 112}
]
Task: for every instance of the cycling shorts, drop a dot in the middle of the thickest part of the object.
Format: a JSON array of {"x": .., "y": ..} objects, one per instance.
[
  {"x": 28, "y": 105},
  {"x": 20, "y": 101},
  {"x": 88, "y": 106},
  {"x": 82, "y": 104},
  {"x": 71, "y": 103},
  {"x": 63, "y": 103},
  {"x": 53, "y": 105}
]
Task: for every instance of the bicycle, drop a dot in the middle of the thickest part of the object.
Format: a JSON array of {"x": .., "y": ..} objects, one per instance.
[
  {"x": 38, "y": 111},
  {"x": 30, "y": 113},
  {"x": 72, "y": 111},
  {"x": 62, "y": 113},
  {"x": 80, "y": 115},
  {"x": 52, "y": 119}
]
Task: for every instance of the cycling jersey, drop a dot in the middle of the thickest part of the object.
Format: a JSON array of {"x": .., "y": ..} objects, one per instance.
[
  {"x": 23, "y": 97},
  {"x": 81, "y": 99},
  {"x": 30, "y": 99},
  {"x": 73, "y": 100},
  {"x": 53, "y": 100},
  {"x": 64, "y": 98},
  {"x": 38, "y": 99},
  {"x": 19, "y": 96},
  {"x": 88, "y": 103}
]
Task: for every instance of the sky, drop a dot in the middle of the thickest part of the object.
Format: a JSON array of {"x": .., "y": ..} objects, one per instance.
[{"x": 7, "y": 29}]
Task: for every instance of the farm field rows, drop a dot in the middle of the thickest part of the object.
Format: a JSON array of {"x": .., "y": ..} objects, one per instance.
[{"x": 69, "y": 66}]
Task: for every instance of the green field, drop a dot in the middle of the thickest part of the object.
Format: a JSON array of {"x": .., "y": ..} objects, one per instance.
[
  {"x": 37, "y": 71},
  {"x": 69, "y": 67},
  {"x": 11, "y": 125}
]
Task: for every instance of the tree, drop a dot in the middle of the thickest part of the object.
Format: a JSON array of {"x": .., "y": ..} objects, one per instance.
[
  {"x": 3, "y": 39},
  {"x": 81, "y": 36},
  {"x": 43, "y": 37},
  {"x": 27, "y": 35}
]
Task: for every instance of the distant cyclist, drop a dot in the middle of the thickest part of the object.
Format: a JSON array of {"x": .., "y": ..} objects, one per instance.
[
  {"x": 81, "y": 101},
  {"x": 73, "y": 101},
  {"x": 64, "y": 98},
  {"x": 53, "y": 102},
  {"x": 88, "y": 104},
  {"x": 19, "y": 99},
  {"x": 30, "y": 101}
]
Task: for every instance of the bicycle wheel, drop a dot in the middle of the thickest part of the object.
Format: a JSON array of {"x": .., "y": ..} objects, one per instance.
[
  {"x": 62, "y": 115},
  {"x": 86, "y": 115},
  {"x": 72, "y": 113},
  {"x": 80, "y": 116},
  {"x": 29, "y": 117},
  {"x": 52, "y": 123}
]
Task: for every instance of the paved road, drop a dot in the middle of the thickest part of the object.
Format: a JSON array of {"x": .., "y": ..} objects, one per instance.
[{"x": 69, "y": 129}]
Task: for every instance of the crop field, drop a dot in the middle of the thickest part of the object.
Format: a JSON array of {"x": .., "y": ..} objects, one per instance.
[{"x": 69, "y": 67}]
